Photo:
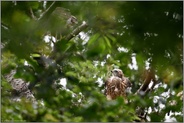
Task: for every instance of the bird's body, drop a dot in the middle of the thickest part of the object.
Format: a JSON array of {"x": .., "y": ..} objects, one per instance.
[
  {"x": 116, "y": 85},
  {"x": 61, "y": 21},
  {"x": 19, "y": 87}
]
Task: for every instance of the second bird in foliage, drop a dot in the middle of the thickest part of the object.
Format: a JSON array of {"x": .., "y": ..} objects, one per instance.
[{"x": 116, "y": 85}]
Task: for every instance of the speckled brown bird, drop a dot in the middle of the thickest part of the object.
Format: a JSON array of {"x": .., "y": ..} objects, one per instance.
[
  {"x": 19, "y": 87},
  {"x": 116, "y": 85}
]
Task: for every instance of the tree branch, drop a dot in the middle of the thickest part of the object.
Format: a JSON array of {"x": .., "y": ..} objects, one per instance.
[
  {"x": 76, "y": 31},
  {"x": 144, "y": 87}
]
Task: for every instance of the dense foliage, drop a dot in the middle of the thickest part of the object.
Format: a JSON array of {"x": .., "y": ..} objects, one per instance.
[{"x": 144, "y": 39}]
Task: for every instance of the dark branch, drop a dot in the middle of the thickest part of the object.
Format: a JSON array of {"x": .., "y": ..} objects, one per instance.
[{"x": 144, "y": 87}]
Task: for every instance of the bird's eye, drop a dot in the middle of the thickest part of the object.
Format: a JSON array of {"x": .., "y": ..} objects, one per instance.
[{"x": 116, "y": 71}]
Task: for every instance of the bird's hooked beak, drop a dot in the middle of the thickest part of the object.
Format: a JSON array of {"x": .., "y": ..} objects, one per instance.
[{"x": 112, "y": 72}]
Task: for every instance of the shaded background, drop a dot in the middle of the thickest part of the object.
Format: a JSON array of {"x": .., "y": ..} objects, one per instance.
[{"x": 144, "y": 39}]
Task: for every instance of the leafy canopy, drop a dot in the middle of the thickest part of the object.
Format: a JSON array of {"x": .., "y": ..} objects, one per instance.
[{"x": 118, "y": 34}]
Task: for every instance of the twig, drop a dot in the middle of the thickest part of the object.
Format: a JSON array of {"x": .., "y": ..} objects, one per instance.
[
  {"x": 6, "y": 27},
  {"x": 46, "y": 11},
  {"x": 32, "y": 14}
]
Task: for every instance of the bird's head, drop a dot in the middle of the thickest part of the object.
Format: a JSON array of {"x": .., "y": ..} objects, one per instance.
[
  {"x": 72, "y": 20},
  {"x": 117, "y": 72}
]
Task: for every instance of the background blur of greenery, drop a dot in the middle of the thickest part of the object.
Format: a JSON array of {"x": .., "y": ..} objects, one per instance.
[{"x": 149, "y": 31}]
